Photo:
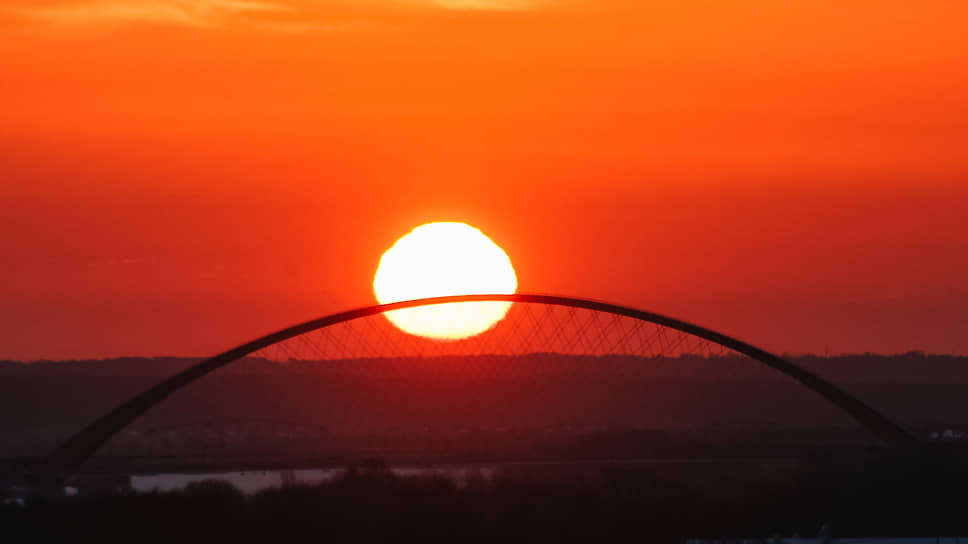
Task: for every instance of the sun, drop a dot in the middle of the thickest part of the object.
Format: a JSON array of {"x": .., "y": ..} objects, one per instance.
[{"x": 440, "y": 259}]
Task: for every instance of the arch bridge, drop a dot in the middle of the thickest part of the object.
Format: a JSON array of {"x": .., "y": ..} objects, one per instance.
[{"x": 628, "y": 329}]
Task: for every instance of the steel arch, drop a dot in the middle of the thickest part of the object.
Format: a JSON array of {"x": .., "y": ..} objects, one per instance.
[{"x": 66, "y": 458}]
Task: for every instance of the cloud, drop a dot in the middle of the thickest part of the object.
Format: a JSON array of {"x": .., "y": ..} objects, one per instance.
[
  {"x": 489, "y": 5},
  {"x": 199, "y": 13},
  {"x": 280, "y": 15}
]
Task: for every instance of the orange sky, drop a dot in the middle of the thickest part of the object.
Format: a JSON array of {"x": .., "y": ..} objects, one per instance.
[{"x": 180, "y": 176}]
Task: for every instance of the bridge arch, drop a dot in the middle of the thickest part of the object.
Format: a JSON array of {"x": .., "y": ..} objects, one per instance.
[{"x": 66, "y": 458}]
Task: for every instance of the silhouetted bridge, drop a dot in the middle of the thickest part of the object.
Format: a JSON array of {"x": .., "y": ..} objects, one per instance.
[{"x": 607, "y": 328}]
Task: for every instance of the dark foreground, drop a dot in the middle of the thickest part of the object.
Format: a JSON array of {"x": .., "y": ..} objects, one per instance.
[{"x": 879, "y": 495}]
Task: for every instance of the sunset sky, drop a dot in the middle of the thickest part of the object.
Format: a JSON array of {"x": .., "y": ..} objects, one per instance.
[{"x": 180, "y": 176}]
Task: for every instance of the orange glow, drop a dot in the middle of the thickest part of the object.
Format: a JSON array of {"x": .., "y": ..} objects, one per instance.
[
  {"x": 793, "y": 173},
  {"x": 440, "y": 259}
]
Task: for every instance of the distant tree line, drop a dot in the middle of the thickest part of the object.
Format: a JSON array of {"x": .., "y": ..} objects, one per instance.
[{"x": 879, "y": 495}]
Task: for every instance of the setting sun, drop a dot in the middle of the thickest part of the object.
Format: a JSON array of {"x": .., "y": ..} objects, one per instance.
[{"x": 440, "y": 259}]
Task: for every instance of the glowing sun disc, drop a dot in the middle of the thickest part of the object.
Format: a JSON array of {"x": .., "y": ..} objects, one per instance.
[{"x": 441, "y": 259}]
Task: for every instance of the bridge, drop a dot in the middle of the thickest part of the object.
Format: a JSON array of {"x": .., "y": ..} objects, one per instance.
[{"x": 563, "y": 323}]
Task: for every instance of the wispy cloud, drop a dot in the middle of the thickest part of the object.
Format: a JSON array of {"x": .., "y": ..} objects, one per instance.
[
  {"x": 179, "y": 12},
  {"x": 489, "y": 5},
  {"x": 281, "y": 15}
]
